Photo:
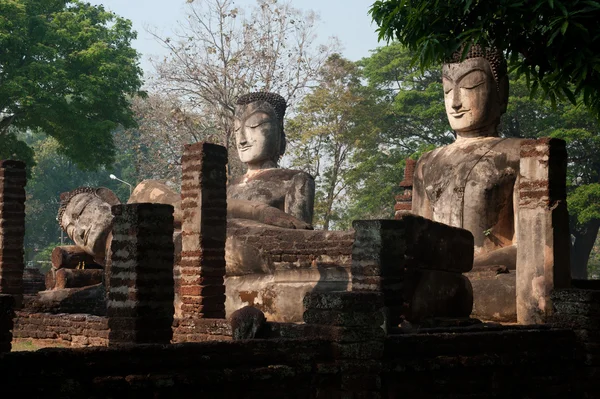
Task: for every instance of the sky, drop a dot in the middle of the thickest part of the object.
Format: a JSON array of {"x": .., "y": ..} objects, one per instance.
[{"x": 348, "y": 20}]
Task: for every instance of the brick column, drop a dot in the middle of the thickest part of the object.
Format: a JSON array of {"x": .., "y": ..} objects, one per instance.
[
  {"x": 140, "y": 297},
  {"x": 404, "y": 200},
  {"x": 542, "y": 228},
  {"x": 7, "y": 315},
  {"x": 199, "y": 277},
  {"x": 12, "y": 228}
]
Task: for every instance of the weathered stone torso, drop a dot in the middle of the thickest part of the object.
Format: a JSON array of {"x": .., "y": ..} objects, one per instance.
[
  {"x": 470, "y": 184},
  {"x": 289, "y": 190}
]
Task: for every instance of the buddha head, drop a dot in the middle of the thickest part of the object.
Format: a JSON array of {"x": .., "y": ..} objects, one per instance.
[
  {"x": 475, "y": 91},
  {"x": 259, "y": 135},
  {"x": 85, "y": 215}
]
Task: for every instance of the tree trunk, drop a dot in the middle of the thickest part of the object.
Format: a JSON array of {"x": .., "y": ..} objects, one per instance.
[{"x": 581, "y": 249}]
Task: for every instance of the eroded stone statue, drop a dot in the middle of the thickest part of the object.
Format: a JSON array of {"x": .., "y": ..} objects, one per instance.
[
  {"x": 85, "y": 216},
  {"x": 473, "y": 182},
  {"x": 260, "y": 141}
]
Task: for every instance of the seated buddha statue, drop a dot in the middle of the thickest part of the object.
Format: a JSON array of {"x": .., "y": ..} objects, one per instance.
[
  {"x": 472, "y": 182},
  {"x": 260, "y": 142}
]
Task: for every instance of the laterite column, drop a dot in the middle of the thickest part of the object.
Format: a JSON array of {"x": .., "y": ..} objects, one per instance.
[
  {"x": 199, "y": 277},
  {"x": 140, "y": 297},
  {"x": 12, "y": 228},
  {"x": 542, "y": 228}
]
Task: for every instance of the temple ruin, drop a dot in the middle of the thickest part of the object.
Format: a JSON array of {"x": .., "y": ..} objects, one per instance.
[{"x": 388, "y": 309}]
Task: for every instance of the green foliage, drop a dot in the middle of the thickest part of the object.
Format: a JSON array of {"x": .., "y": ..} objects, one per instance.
[
  {"x": 13, "y": 148},
  {"x": 332, "y": 122},
  {"x": 584, "y": 202},
  {"x": 553, "y": 43},
  {"x": 67, "y": 68},
  {"x": 43, "y": 257}
]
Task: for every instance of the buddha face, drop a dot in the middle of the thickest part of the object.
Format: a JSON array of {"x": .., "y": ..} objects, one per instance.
[
  {"x": 87, "y": 219},
  {"x": 471, "y": 96},
  {"x": 257, "y": 134}
]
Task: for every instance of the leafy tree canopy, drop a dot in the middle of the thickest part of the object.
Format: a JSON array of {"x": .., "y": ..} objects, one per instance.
[
  {"x": 67, "y": 68},
  {"x": 553, "y": 43}
]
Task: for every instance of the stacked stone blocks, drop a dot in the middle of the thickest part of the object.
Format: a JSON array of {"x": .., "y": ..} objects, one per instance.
[
  {"x": 543, "y": 228},
  {"x": 7, "y": 314},
  {"x": 199, "y": 276},
  {"x": 12, "y": 227},
  {"x": 141, "y": 293},
  {"x": 417, "y": 265}
]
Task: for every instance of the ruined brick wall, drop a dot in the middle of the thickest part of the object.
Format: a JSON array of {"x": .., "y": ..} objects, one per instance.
[
  {"x": 337, "y": 359},
  {"x": 201, "y": 330},
  {"x": 579, "y": 310},
  {"x": 288, "y": 248},
  {"x": 243, "y": 369},
  {"x": 507, "y": 363},
  {"x": 12, "y": 228},
  {"x": 77, "y": 330}
]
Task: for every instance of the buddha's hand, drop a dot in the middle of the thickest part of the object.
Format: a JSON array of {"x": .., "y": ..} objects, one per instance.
[
  {"x": 275, "y": 217},
  {"x": 264, "y": 213}
]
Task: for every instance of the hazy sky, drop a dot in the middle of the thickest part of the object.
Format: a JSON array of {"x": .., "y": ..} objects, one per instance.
[{"x": 346, "y": 19}]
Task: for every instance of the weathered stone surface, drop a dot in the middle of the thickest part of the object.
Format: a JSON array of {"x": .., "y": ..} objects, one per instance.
[
  {"x": 494, "y": 293},
  {"x": 247, "y": 323},
  {"x": 156, "y": 192},
  {"x": 266, "y": 193},
  {"x": 90, "y": 300},
  {"x": 389, "y": 247},
  {"x": 85, "y": 216},
  {"x": 543, "y": 234}
]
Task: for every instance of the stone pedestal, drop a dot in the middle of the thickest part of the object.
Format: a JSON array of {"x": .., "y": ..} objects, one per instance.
[
  {"x": 199, "y": 276},
  {"x": 542, "y": 228},
  {"x": 12, "y": 228},
  {"x": 7, "y": 315},
  {"x": 417, "y": 265},
  {"x": 140, "y": 298}
]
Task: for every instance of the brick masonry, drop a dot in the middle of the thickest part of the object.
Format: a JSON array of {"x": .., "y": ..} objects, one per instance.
[
  {"x": 140, "y": 297},
  {"x": 404, "y": 200},
  {"x": 543, "y": 228},
  {"x": 199, "y": 276},
  {"x": 75, "y": 330},
  {"x": 579, "y": 310},
  {"x": 12, "y": 228},
  {"x": 7, "y": 304}
]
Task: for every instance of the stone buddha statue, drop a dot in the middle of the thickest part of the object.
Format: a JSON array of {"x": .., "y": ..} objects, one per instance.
[
  {"x": 85, "y": 216},
  {"x": 265, "y": 188},
  {"x": 472, "y": 183}
]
